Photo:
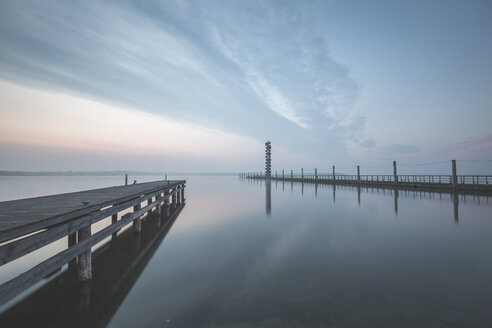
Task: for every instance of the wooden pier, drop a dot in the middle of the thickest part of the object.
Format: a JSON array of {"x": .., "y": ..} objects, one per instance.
[
  {"x": 478, "y": 184},
  {"x": 117, "y": 266},
  {"x": 29, "y": 224}
]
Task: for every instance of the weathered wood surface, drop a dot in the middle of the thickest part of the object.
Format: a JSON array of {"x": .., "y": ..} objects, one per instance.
[
  {"x": 19, "y": 217},
  {"x": 20, "y": 247}
]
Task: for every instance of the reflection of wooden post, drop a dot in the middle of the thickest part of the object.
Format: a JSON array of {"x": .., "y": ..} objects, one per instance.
[
  {"x": 358, "y": 195},
  {"x": 84, "y": 259},
  {"x": 455, "y": 177},
  {"x": 395, "y": 176},
  {"x": 396, "y": 200},
  {"x": 84, "y": 297},
  {"x": 455, "y": 207}
]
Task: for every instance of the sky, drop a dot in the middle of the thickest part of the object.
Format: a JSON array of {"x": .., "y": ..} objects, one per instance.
[{"x": 199, "y": 86}]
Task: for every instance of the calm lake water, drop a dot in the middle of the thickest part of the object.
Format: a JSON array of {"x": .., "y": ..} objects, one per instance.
[{"x": 249, "y": 254}]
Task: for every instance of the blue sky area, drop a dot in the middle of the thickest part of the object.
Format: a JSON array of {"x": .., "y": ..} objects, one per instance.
[{"x": 200, "y": 85}]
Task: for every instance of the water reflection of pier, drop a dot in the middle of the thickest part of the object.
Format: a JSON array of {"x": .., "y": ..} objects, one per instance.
[
  {"x": 455, "y": 197},
  {"x": 65, "y": 302}
]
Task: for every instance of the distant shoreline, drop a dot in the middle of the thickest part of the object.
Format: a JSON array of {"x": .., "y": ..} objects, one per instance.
[{"x": 107, "y": 173}]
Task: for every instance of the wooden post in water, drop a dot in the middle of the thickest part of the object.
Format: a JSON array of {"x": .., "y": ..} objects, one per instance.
[
  {"x": 126, "y": 179},
  {"x": 455, "y": 177},
  {"x": 395, "y": 176},
  {"x": 158, "y": 207},
  {"x": 72, "y": 240},
  {"x": 137, "y": 222},
  {"x": 84, "y": 259},
  {"x": 167, "y": 210},
  {"x": 358, "y": 174},
  {"x": 334, "y": 174},
  {"x": 316, "y": 174},
  {"x": 114, "y": 219},
  {"x": 174, "y": 197},
  {"x": 149, "y": 201}
]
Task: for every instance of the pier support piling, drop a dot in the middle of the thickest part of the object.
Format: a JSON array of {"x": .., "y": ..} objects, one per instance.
[
  {"x": 72, "y": 240},
  {"x": 455, "y": 177},
  {"x": 137, "y": 222},
  {"x": 85, "y": 259},
  {"x": 395, "y": 176}
]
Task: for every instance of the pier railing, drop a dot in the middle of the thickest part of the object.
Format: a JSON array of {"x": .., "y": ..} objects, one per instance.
[
  {"x": 76, "y": 225},
  {"x": 453, "y": 182},
  {"x": 412, "y": 178}
]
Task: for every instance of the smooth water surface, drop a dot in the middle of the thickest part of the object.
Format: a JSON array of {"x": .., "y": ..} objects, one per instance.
[{"x": 246, "y": 253}]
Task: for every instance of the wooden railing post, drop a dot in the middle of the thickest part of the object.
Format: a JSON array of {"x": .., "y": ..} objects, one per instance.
[
  {"x": 316, "y": 174},
  {"x": 291, "y": 174},
  {"x": 358, "y": 174},
  {"x": 283, "y": 175},
  {"x": 182, "y": 193},
  {"x": 126, "y": 179},
  {"x": 334, "y": 174},
  {"x": 302, "y": 173}
]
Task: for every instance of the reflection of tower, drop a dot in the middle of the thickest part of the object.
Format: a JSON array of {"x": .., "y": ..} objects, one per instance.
[
  {"x": 268, "y": 159},
  {"x": 268, "y": 187}
]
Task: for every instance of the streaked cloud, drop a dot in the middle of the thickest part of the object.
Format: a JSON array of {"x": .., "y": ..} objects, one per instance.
[{"x": 398, "y": 149}]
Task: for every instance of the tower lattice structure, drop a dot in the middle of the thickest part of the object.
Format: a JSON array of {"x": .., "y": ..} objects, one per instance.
[{"x": 268, "y": 159}]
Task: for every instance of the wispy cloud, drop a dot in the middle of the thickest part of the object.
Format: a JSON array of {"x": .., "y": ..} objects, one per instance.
[
  {"x": 259, "y": 69},
  {"x": 399, "y": 149}
]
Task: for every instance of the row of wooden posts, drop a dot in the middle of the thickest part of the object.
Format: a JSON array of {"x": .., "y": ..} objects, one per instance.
[
  {"x": 453, "y": 179},
  {"x": 84, "y": 260}
]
